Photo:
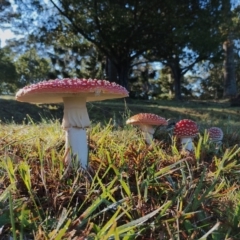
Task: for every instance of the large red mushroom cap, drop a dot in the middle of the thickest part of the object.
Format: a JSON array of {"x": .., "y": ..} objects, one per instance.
[
  {"x": 147, "y": 119},
  {"x": 53, "y": 91},
  {"x": 186, "y": 128},
  {"x": 215, "y": 134}
]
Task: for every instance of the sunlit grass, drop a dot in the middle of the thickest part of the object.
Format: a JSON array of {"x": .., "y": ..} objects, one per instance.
[
  {"x": 7, "y": 97},
  {"x": 131, "y": 190}
]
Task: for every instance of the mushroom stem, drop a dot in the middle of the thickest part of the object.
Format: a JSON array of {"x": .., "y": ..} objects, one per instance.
[
  {"x": 75, "y": 112},
  {"x": 218, "y": 145},
  {"x": 76, "y": 139},
  {"x": 187, "y": 143},
  {"x": 75, "y": 122},
  {"x": 147, "y": 132}
]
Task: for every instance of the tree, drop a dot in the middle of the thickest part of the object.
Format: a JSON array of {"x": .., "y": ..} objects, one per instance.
[
  {"x": 31, "y": 68},
  {"x": 121, "y": 31},
  {"x": 6, "y": 12},
  {"x": 192, "y": 36},
  {"x": 222, "y": 81},
  {"x": 166, "y": 82},
  {"x": 230, "y": 85},
  {"x": 81, "y": 60},
  {"x": 142, "y": 80},
  {"x": 228, "y": 27},
  {"x": 211, "y": 85},
  {"x": 8, "y": 74}
]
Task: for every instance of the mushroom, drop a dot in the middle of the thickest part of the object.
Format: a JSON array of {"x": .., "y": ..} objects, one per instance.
[
  {"x": 74, "y": 93},
  {"x": 215, "y": 136},
  {"x": 147, "y": 123},
  {"x": 186, "y": 130}
]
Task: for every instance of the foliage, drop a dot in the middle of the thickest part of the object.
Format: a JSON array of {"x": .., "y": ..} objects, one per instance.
[
  {"x": 74, "y": 59},
  {"x": 213, "y": 84},
  {"x": 120, "y": 33},
  {"x": 19, "y": 70},
  {"x": 8, "y": 73},
  {"x": 143, "y": 80},
  {"x": 31, "y": 68},
  {"x": 183, "y": 48},
  {"x": 119, "y": 40},
  {"x": 167, "y": 43},
  {"x": 6, "y": 13}
]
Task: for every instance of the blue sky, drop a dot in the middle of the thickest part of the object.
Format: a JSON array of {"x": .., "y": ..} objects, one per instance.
[{"x": 4, "y": 35}]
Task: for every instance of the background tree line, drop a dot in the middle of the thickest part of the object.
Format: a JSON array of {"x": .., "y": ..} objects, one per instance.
[{"x": 153, "y": 48}]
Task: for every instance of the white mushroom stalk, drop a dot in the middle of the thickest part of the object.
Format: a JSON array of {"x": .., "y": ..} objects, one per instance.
[
  {"x": 74, "y": 93},
  {"x": 187, "y": 143},
  {"x": 147, "y": 132},
  {"x": 75, "y": 121}
]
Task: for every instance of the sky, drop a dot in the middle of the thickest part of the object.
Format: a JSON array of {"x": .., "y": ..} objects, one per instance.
[{"x": 4, "y": 35}]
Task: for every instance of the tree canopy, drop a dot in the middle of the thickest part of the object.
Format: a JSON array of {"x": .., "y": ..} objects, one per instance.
[
  {"x": 31, "y": 68},
  {"x": 114, "y": 36},
  {"x": 8, "y": 73}
]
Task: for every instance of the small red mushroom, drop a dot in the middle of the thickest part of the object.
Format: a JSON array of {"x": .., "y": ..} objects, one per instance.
[
  {"x": 186, "y": 130},
  {"x": 147, "y": 123},
  {"x": 74, "y": 93},
  {"x": 215, "y": 136}
]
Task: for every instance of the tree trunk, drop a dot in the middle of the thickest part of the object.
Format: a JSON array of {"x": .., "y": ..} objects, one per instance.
[
  {"x": 123, "y": 71},
  {"x": 118, "y": 72},
  {"x": 111, "y": 71},
  {"x": 177, "y": 76},
  {"x": 230, "y": 86}
]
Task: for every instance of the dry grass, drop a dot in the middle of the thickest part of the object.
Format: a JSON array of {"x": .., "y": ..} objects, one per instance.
[{"x": 131, "y": 191}]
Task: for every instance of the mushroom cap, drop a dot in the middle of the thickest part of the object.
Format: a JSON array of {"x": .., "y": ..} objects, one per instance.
[
  {"x": 147, "y": 119},
  {"x": 215, "y": 133},
  {"x": 186, "y": 128},
  {"x": 53, "y": 91}
]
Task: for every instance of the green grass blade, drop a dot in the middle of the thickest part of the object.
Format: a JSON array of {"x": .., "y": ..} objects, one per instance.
[
  {"x": 215, "y": 227},
  {"x": 133, "y": 224},
  {"x": 12, "y": 218}
]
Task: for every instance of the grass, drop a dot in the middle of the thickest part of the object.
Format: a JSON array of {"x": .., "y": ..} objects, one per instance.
[{"x": 132, "y": 190}]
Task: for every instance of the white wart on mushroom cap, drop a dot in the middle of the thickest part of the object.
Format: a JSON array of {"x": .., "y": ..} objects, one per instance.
[
  {"x": 215, "y": 134},
  {"x": 186, "y": 130},
  {"x": 147, "y": 123},
  {"x": 74, "y": 93}
]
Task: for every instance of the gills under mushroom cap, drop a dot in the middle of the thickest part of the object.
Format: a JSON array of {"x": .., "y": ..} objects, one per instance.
[{"x": 53, "y": 91}]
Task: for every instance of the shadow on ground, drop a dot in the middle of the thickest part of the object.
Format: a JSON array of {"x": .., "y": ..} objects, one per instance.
[
  {"x": 120, "y": 109},
  {"x": 12, "y": 111}
]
